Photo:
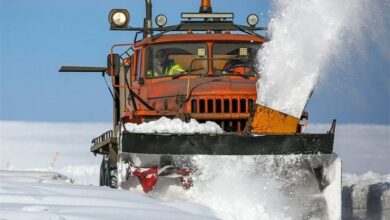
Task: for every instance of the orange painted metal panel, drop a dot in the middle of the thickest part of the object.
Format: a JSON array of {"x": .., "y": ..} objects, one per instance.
[
  {"x": 182, "y": 38},
  {"x": 270, "y": 121}
]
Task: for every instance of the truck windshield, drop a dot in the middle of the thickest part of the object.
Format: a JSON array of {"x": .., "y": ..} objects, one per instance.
[
  {"x": 235, "y": 58},
  {"x": 170, "y": 59}
]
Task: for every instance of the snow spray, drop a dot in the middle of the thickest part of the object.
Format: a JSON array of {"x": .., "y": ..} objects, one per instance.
[
  {"x": 232, "y": 188},
  {"x": 263, "y": 186},
  {"x": 305, "y": 35}
]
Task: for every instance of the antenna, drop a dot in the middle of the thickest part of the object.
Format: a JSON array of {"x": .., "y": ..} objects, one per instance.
[{"x": 205, "y": 7}]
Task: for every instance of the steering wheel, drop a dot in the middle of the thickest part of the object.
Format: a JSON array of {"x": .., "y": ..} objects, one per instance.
[{"x": 239, "y": 68}]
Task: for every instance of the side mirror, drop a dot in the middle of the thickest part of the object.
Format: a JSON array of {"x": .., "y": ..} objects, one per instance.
[{"x": 113, "y": 64}]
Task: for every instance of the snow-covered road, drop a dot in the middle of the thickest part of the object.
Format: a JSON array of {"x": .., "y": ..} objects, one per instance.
[
  {"x": 64, "y": 148},
  {"x": 47, "y": 195}
]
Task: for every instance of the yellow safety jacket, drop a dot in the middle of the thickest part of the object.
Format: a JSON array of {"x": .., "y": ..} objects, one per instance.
[{"x": 171, "y": 70}]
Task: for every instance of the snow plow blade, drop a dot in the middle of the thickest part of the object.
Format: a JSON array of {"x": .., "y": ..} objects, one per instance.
[{"x": 227, "y": 144}]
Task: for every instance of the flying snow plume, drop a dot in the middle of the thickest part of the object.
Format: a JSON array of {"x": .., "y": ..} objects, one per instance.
[
  {"x": 305, "y": 35},
  {"x": 259, "y": 187},
  {"x": 233, "y": 190}
]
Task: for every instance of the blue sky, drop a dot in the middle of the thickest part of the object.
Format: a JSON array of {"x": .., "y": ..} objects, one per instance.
[{"x": 37, "y": 37}]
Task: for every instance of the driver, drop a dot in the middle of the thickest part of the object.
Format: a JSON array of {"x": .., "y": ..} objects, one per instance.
[
  {"x": 240, "y": 64},
  {"x": 164, "y": 66},
  {"x": 229, "y": 66}
]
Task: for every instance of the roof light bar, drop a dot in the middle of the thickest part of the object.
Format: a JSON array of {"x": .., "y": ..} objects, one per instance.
[{"x": 207, "y": 15}]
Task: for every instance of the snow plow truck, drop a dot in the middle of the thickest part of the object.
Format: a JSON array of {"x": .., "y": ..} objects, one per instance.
[{"x": 204, "y": 68}]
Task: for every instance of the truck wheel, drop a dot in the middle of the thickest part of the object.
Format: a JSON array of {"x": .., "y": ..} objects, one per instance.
[
  {"x": 107, "y": 173},
  {"x": 101, "y": 179},
  {"x": 104, "y": 171},
  {"x": 113, "y": 179}
]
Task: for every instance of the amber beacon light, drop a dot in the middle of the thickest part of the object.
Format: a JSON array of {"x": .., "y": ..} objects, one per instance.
[{"x": 205, "y": 6}]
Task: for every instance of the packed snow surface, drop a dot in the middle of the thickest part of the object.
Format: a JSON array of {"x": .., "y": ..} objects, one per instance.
[
  {"x": 174, "y": 126},
  {"x": 45, "y": 195},
  {"x": 64, "y": 148}
]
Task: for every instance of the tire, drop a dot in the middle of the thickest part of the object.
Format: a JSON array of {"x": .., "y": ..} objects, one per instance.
[
  {"x": 107, "y": 173},
  {"x": 101, "y": 179}
]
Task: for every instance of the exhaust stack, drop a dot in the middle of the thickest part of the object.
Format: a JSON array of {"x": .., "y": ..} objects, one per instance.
[
  {"x": 205, "y": 7},
  {"x": 148, "y": 19}
]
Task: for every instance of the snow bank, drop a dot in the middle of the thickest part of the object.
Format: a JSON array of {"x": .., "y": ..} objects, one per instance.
[
  {"x": 362, "y": 147},
  {"x": 46, "y": 195},
  {"x": 366, "y": 196},
  {"x": 82, "y": 174},
  {"x": 174, "y": 126},
  {"x": 44, "y": 146},
  {"x": 365, "y": 179}
]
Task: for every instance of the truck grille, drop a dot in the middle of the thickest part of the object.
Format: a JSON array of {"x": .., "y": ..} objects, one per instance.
[
  {"x": 230, "y": 113},
  {"x": 233, "y": 105}
]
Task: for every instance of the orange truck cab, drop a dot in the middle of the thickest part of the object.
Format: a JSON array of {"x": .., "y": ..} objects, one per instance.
[
  {"x": 216, "y": 80},
  {"x": 206, "y": 70}
]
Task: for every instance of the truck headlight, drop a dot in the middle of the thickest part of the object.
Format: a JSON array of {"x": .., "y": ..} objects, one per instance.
[
  {"x": 161, "y": 20},
  {"x": 119, "y": 18},
  {"x": 252, "y": 20}
]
